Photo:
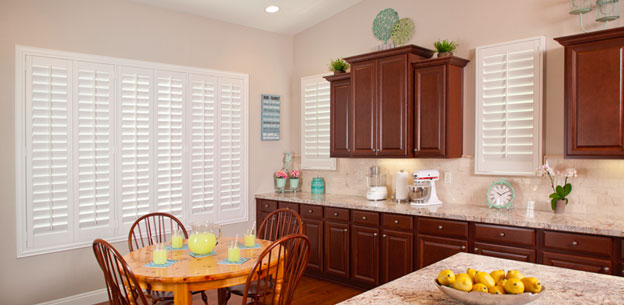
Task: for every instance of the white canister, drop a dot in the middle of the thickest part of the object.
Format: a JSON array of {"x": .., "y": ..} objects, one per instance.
[{"x": 401, "y": 180}]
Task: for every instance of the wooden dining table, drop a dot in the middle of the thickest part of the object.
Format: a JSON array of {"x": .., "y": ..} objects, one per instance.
[{"x": 196, "y": 274}]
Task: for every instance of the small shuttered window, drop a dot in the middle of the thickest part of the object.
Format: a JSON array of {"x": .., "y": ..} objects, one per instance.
[
  {"x": 107, "y": 140},
  {"x": 508, "y": 107},
  {"x": 315, "y": 124}
]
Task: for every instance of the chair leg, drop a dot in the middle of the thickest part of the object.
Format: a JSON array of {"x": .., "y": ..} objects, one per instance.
[
  {"x": 204, "y": 297},
  {"x": 228, "y": 295}
]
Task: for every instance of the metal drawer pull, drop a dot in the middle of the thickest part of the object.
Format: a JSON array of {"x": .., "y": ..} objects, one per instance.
[
  {"x": 463, "y": 247},
  {"x": 384, "y": 236},
  {"x": 374, "y": 234},
  {"x": 575, "y": 243},
  {"x": 606, "y": 269},
  {"x": 501, "y": 234},
  {"x": 335, "y": 214},
  {"x": 266, "y": 205},
  {"x": 440, "y": 227},
  {"x": 309, "y": 211},
  {"x": 363, "y": 217},
  {"x": 476, "y": 249},
  {"x": 345, "y": 230},
  {"x": 396, "y": 221}
]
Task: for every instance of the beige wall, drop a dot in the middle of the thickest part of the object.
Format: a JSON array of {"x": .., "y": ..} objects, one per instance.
[{"x": 124, "y": 29}]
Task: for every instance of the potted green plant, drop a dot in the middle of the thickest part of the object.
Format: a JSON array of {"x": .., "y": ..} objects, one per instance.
[
  {"x": 445, "y": 48},
  {"x": 558, "y": 199},
  {"x": 338, "y": 66}
]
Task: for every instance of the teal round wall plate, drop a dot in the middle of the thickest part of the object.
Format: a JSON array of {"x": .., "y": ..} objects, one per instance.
[
  {"x": 383, "y": 23},
  {"x": 500, "y": 194}
]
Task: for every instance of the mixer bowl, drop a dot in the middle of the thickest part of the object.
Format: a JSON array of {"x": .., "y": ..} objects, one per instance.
[{"x": 419, "y": 193}]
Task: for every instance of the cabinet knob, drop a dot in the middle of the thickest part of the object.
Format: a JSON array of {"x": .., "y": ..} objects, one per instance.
[
  {"x": 396, "y": 221},
  {"x": 266, "y": 205},
  {"x": 501, "y": 234},
  {"x": 384, "y": 236},
  {"x": 345, "y": 230},
  {"x": 440, "y": 227},
  {"x": 575, "y": 243},
  {"x": 374, "y": 234},
  {"x": 363, "y": 217},
  {"x": 335, "y": 214},
  {"x": 463, "y": 247},
  {"x": 476, "y": 249},
  {"x": 309, "y": 211},
  {"x": 415, "y": 149},
  {"x": 606, "y": 269},
  {"x": 349, "y": 149}
]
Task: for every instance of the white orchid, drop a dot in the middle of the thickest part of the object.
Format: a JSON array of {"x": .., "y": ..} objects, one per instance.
[{"x": 560, "y": 192}]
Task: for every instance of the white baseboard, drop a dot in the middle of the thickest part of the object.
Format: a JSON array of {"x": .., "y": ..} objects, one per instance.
[{"x": 89, "y": 297}]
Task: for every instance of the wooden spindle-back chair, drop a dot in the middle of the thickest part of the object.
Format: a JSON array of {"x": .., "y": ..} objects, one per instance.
[
  {"x": 122, "y": 286},
  {"x": 287, "y": 256}
]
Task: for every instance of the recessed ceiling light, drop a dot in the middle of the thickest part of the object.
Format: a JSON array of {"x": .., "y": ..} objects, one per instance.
[{"x": 271, "y": 9}]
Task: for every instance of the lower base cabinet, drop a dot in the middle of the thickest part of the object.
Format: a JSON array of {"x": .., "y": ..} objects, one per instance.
[
  {"x": 397, "y": 254},
  {"x": 365, "y": 255},
  {"x": 313, "y": 229},
  {"x": 433, "y": 249},
  {"x": 513, "y": 253},
  {"x": 336, "y": 260},
  {"x": 577, "y": 262}
]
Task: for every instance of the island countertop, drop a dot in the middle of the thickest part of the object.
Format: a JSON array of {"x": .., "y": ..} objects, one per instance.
[
  {"x": 611, "y": 225},
  {"x": 562, "y": 286}
]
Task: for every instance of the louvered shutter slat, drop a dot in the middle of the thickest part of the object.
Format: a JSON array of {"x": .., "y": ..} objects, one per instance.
[{"x": 316, "y": 123}]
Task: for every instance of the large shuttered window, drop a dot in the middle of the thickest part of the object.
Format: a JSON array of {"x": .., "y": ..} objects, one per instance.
[
  {"x": 508, "y": 107},
  {"x": 315, "y": 124},
  {"x": 102, "y": 141}
]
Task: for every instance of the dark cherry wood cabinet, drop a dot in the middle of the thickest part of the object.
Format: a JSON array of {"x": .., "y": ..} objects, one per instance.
[
  {"x": 397, "y": 254},
  {"x": 433, "y": 249},
  {"x": 365, "y": 254},
  {"x": 337, "y": 248},
  {"x": 312, "y": 217},
  {"x": 393, "y": 106},
  {"x": 578, "y": 262},
  {"x": 340, "y": 115},
  {"x": 593, "y": 99},
  {"x": 438, "y": 107},
  {"x": 363, "y": 108}
]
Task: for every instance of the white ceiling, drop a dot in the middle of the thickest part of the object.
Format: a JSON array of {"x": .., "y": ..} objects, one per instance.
[{"x": 293, "y": 17}]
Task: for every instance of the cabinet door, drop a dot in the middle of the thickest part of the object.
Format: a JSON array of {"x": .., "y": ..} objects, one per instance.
[
  {"x": 365, "y": 255},
  {"x": 577, "y": 262},
  {"x": 433, "y": 249},
  {"x": 313, "y": 228},
  {"x": 336, "y": 258},
  {"x": 363, "y": 105},
  {"x": 392, "y": 107},
  {"x": 430, "y": 111},
  {"x": 340, "y": 119},
  {"x": 513, "y": 253},
  {"x": 594, "y": 104},
  {"x": 397, "y": 255}
]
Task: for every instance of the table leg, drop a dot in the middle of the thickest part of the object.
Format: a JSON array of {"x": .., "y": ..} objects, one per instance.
[
  {"x": 222, "y": 296},
  {"x": 182, "y": 295}
]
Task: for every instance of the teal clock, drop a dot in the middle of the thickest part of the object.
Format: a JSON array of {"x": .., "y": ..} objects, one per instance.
[{"x": 500, "y": 195}]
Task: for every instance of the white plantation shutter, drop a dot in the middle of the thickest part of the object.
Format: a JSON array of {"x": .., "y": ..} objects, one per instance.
[
  {"x": 94, "y": 146},
  {"x": 49, "y": 160},
  {"x": 315, "y": 123},
  {"x": 509, "y": 107},
  {"x": 170, "y": 97},
  {"x": 135, "y": 87},
  {"x": 230, "y": 143},
  {"x": 202, "y": 118}
]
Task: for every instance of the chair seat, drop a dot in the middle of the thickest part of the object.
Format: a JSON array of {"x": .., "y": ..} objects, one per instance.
[
  {"x": 164, "y": 297},
  {"x": 253, "y": 289}
]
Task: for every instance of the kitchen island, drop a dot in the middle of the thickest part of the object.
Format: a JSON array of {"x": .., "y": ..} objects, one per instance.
[{"x": 562, "y": 286}]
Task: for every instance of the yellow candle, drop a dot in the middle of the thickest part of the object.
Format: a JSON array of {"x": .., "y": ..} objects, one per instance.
[
  {"x": 177, "y": 241},
  {"x": 249, "y": 240},
  {"x": 234, "y": 254},
  {"x": 160, "y": 256}
]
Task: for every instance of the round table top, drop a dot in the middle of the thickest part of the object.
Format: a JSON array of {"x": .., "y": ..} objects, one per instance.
[{"x": 190, "y": 269}]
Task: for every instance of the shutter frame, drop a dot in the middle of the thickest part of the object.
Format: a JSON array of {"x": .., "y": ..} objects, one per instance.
[{"x": 315, "y": 134}]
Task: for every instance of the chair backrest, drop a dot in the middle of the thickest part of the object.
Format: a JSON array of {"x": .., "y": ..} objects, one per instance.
[
  {"x": 294, "y": 252},
  {"x": 280, "y": 223},
  {"x": 153, "y": 227},
  {"x": 122, "y": 286}
]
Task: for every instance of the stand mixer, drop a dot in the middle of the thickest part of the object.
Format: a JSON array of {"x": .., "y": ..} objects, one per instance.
[
  {"x": 423, "y": 192},
  {"x": 376, "y": 185}
]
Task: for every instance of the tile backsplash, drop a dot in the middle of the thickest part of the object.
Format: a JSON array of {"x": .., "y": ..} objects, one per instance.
[{"x": 598, "y": 189}]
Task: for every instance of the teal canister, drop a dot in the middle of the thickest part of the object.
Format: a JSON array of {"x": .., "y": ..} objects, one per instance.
[{"x": 318, "y": 186}]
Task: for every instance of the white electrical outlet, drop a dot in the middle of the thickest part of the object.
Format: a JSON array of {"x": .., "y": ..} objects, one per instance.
[{"x": 447, "y": 177}]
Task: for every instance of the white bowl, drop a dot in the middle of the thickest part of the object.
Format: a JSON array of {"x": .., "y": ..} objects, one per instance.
[{"x": 483, "y": 298}]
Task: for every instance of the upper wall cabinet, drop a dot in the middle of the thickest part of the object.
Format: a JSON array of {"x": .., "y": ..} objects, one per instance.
[
  {"x": 594, "y": 94},
  {"x": 376, "y": 118}
]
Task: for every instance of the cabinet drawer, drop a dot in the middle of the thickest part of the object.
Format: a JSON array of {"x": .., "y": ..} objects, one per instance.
[
  {"x": 289, "y": 205},
  {"x": 399, "y": 222},
  {"x": 267, "y": 206},
  {"x": 622, "y": 252},
  {"x": 578, "y": 243},
  {"x": 577, "y": 262},
  {"x": 441, "y": 227},
  {"x": 365, "y": 218},
  {"x": 504, "y": 234},
  {"x": 337, "y": 214},
  {"x": 513, "y": 253},
  {"x": 311, "y": 211}
]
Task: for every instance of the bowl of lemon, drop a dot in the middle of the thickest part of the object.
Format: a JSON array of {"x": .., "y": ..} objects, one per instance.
[{"x": 494, "y": 288}]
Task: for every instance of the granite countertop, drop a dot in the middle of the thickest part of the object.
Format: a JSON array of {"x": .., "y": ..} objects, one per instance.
[
  {"x": 612, "y": 225},
  {"x": 562, "y": 286}
]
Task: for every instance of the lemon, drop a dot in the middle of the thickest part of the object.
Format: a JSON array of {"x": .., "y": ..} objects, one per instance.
[
  {"x": 498, "y": 275},
  {"x": 501, "y": 283},
  {"x": 532, "y": 284},
  {"x": 471, "y": 273},
  {"x": 446, "y": 277},
  {"x": 514, "y": 286},
  {"x": 497, "y": 290},
  {"x": 462, "y": 282},
  {"x": 514, "y": 274},
  {"x": 485, "y": 279},
  {"x": 479, "y": 287}
]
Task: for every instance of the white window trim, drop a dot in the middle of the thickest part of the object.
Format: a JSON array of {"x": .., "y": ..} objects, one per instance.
[
  {"x": 541, "y": 40},
  {"x": 20, "y": 138},
  {"x": 328, "y": 164}
]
